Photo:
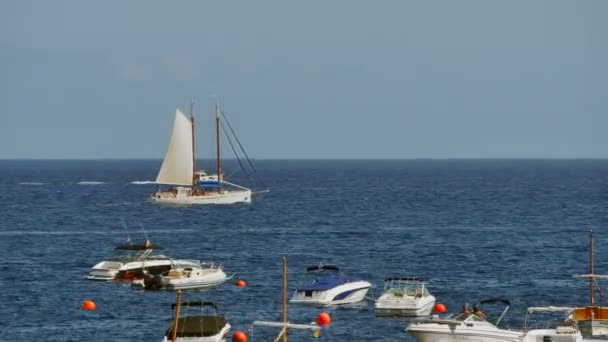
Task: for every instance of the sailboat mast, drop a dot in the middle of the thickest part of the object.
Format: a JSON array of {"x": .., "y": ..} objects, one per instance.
[
  {"x": 285, "y": 298},
  {"x": 217, "y": 145},
  {"x": 591, "y": 278},
  {"x": 193, "y": 146}
]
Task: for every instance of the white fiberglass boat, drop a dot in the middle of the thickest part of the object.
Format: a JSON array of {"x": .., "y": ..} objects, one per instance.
[
  {"x": 331, "y": 288},
  {"x": 197, "y": 328},
  {"x": 404, "y": 296},
  {"x": 187, "y": 277},
  {"x": 566, "y": 330},
  {"x": 179, "y": 170},
  {"x": 109, "y": 269},
  {"x": 465, "y": 326},
  {"x": 137, "y": 270}
]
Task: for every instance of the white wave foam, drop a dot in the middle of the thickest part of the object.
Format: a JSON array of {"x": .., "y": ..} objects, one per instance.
[
  {"x": 143, "y": 182},
  {"x": 32, "y": 183},
  {"x": 90, "y": 183}
]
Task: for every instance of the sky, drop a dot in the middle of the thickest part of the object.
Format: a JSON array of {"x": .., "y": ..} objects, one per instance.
[{"x": 306, "y": 79}]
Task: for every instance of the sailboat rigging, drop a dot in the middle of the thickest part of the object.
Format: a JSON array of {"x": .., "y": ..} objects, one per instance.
[{"x": 189, "y": 186}]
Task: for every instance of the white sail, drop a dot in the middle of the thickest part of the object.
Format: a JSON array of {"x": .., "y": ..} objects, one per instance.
[{"x": 177, "y": 168}]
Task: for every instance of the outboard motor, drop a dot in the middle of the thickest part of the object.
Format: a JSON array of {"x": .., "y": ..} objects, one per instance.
[{"x": 153, "y": 282}]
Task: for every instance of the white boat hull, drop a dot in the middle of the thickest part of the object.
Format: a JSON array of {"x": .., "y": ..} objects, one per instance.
[
  {"x": 554, "y": 335},
  {"x": 389, "y": 305},
  {"x": 208, "y": 278},
  {"x": 225, "y": 197},
  {"x": 348, "y": 293},
  {"x": 104, "y": 271},
  {"x": 593, "y": 327},
  {"x": 477, "y": 332},
  {"x": 221, "y": 337}
]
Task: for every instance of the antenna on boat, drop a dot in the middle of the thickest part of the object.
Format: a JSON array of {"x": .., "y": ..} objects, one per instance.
[
  {"x": 591, "y": 278},
  {"x": 124, "y": 224},
  {"x": 217, "y": 143},
  {"x": 178, "y": 305},
  {"x": 285, "y": 297},
  {"x": 144, "y": 231},
  {"x": 193, "y": 146}
]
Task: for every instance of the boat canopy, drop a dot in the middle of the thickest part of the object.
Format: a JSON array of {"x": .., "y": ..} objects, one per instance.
[
  {"x": 326, "y": 282},
  {"x": 322, "y": 267},
  {"x": 209, "y": 184},
  {"x": 197, "y": 303},
  {"x": 410, "y": 279},
  {"x": 137, "y": 247},
  {"x": 550, "y": 309},
  {"x": 495, "y": 300},
  {"x": 198, "y": 326}
]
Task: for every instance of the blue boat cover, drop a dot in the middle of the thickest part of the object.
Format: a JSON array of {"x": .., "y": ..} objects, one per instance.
[
  {"x": 209, "y": 184},
  {"x": 326, "y": 282}
]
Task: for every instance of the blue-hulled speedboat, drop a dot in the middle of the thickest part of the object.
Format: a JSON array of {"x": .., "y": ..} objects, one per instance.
[{"x": 331, "y": 288}]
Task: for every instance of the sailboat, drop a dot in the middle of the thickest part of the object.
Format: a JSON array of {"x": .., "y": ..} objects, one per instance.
[
  {"x": 178, "y": 170},
  {"x": 592, "y": 319}
]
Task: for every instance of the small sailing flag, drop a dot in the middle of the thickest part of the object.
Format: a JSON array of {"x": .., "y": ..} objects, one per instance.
[{"x": 316, "y": 333}]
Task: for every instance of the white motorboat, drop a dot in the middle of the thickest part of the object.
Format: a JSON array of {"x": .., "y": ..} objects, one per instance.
[
  {"x": 108, "y": 270},
  {"x": 404, "y": 296},
  {"x": 331, "y": 288},
  {"x": 197, "y": 328},
  {"x": 179, "y": 170},
  {"x": 465, "y": 326},
  {"x": 155, "y": 265},
  {"x": 187, "y": 277},
  {"x": 566, "y": 330}
]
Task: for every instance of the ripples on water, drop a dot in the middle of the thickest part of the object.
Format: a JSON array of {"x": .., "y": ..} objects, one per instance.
[{"x": 473, "y": 228}]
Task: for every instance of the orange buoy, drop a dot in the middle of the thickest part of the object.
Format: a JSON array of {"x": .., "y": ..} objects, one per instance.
[
  {"x": 240, "y": 283},
  {"x": 440, "y": 308},
  {"x": 88, "y": 305},
  {"x": 323, "y": 319},
  {"x": 239, "y": 336}
]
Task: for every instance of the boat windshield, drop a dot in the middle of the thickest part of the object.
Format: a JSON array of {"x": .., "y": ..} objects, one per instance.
[
  {"x": 125, "y": 255},
  {"x": 411, "y": 291},
  {"x": 465, "y": 317}
]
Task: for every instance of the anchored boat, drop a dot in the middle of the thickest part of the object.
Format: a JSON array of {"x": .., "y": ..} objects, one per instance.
[
  {"x": 108, "y": 270},
  {"x": 592, "y": 319},
  {"x": 404, "y": 296},
  {"x": 210, "y": 327},
  {"x": 331, "y": 288},
  {"x": 189, "y": 186}
]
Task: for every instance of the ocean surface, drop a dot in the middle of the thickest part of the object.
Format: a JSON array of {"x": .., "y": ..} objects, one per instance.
[{"x": 473, "y": 228}]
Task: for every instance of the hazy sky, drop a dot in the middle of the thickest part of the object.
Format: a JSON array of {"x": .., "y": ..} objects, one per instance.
[{"x": 306, "y": 79}]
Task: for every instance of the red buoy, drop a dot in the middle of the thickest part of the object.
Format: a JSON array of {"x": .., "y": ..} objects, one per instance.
[
  {"x": 240, "y": 283},
  {"x": 88, "y": 305},
  {"x": 440, "y": 308},
  {"x": 239, "y": 336},
  {"x": 323, "y": 319}
]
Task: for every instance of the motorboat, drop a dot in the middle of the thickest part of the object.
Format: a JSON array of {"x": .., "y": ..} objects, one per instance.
[
  {"x": 404, "y": 296},
  {"x": 152, "y": 266},
  {"x": 108, "y": 270},
  {"x": 465, "y": 326},
  {"x": 186, "y": 277},
  {"x": 565, "y": 331},
  {"x": 592, "y": 319},
  {"x": 330, "y": 288},
  {"x": 285, "y": 324},
  {"x": 202, "y": 327}
]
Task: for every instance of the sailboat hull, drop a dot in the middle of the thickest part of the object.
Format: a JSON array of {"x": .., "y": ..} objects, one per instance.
[{"x": 225, "y": 197}]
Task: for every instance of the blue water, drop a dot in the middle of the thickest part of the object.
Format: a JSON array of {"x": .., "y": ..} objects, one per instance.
[{"x": 474, "y": 228}]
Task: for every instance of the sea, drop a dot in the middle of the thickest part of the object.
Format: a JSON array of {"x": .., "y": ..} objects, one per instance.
[{"x": 474, "y": 229}]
